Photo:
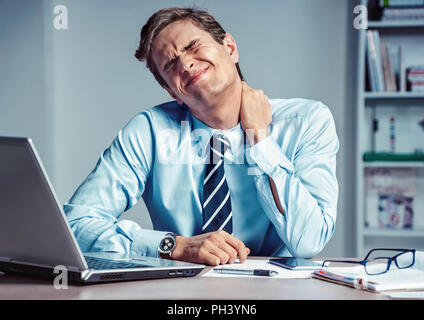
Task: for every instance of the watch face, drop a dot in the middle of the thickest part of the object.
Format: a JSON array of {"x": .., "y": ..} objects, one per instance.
[{"x": 167, "y": 244}]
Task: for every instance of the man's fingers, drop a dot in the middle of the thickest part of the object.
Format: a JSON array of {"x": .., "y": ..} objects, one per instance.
[
  {"x": 212, "y": 248},
  {"x": 222, "y": 255},
  {"x": 232, "y": 253},
  {"x": 227, "y": 247},
  {"x": 216, "y": 256},
  {"x": 208, "y": 257},
  {"x": 238, "y": 246}
]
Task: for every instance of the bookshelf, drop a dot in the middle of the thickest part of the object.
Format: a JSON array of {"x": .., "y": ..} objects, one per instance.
[
  {"x": 409, "y": 108},
  {"x": 395, "y": 24},
  {"x": 393, "y": 164},
  {"x": 393, "y": 95}
]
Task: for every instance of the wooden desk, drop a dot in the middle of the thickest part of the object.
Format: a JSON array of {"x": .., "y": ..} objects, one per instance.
[{"x": 195, "y": 288}]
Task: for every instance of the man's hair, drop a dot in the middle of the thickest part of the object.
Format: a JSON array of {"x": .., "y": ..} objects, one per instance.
[{"x": 164, "y": 17}]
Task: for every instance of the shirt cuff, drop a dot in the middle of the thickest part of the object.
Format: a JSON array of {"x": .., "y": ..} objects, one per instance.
[
  {"x": 146, "y": 242},
  {"x": 267, "y": 155}
]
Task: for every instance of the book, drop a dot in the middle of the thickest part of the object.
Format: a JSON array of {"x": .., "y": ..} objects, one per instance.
[
  {"x": 394, "y": 52},
  {"x": 355, "y": 277},
  {"x": 389, "y": 197},
  {"x": 415, "y": 78},
  {"x": 380, "y": 77},
  {"x": 395, "y": 211},
  {"x": 417, "y": 86},
  {"x": 388, "y": 71},
  {"x": 388, "y": 9},
  {"x": 401, "y": 3},
  {"x": 402, "y": 73},
  {"x": 372, "y": 61},
  {"x": 395, "y": 14}
]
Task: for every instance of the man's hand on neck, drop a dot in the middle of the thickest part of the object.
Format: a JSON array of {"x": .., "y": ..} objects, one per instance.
[
  {"x": 242, "y": 104},
  {"x": 255, "y": 113}
]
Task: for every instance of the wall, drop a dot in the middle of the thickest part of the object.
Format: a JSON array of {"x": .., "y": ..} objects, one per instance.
[
  {"x": 23, "y": 111},
  {"x": 93, "y": 85}
]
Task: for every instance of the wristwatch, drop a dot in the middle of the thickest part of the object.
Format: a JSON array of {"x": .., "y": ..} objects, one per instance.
[{"x": 167, "y": 245}]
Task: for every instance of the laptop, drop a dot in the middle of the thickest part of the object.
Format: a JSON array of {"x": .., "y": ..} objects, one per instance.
[{"x": 36, "y": 239}]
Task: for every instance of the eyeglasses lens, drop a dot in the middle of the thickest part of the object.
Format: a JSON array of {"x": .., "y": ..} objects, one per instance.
[
  {"x": 379, "y": 259},
  {"x": 405, "y": 260},
  {"x": 376, "y": 266}
]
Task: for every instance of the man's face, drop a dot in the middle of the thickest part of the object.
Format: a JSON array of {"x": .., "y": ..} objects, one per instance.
[{"x": 197, "y": 69}]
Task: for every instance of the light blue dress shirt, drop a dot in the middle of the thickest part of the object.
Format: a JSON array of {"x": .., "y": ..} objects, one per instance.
[{"x": 161, "y": 155}]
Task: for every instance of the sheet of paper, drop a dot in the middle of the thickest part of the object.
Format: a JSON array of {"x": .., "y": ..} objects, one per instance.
[
  {"x": 405, "y": 294},
  {"x": 260, "y": 264}
]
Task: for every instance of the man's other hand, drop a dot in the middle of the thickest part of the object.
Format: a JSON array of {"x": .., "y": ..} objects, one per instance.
[
  {"x": 255, "y": 113},
  {"x": 213, "y": 248}
]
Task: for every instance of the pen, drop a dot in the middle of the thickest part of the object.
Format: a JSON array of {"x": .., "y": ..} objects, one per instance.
[{"x": 252, "y": 272}]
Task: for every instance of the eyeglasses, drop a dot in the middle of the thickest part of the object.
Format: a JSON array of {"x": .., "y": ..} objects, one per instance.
[{"x": 376, "y": 263}]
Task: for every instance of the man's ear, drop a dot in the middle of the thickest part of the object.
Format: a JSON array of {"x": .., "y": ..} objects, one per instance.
[
  {"x": 172, "y": 94},
  {"x": 231, "y": 47}
]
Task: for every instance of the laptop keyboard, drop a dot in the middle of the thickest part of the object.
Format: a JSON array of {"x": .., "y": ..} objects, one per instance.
[{"x": 102, "y": 264}]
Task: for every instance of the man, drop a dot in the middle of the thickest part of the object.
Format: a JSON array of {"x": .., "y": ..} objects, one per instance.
[{"x": 224, "y": 171}]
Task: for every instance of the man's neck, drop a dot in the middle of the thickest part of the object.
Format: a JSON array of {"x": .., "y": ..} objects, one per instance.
[{"x": 225, "y": 112}]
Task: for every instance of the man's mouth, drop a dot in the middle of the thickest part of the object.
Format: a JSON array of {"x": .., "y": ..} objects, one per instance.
[{"x": 197, "y": 76}]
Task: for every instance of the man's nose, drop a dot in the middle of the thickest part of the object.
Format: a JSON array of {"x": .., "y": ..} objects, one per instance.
[{"x": 187, "y": 62}]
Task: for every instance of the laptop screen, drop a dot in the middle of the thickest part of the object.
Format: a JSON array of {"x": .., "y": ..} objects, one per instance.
[{"x": 33, "y": 227}]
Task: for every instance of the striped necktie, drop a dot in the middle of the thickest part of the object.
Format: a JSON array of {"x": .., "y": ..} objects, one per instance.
[{"x": 217, "y": 213}]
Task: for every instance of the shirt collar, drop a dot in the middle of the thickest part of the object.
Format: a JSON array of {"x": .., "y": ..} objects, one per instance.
[{"x": 202, "y": 132}]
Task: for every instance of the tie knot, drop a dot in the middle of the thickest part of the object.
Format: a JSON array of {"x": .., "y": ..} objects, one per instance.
[{"x": 219, "y": 144}]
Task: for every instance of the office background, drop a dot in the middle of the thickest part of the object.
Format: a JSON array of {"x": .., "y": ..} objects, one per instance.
[{"x": 72, "y": 90}]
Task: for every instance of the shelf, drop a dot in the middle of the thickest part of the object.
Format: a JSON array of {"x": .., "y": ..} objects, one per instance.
[
  {"x": 393, "y": 232},
  {"x": 406, "y": 106},
  {"x": 393, "y": 95},
  {"x": 396, "y": 24},
  {"x": 370, "y": 157},
  {"x": 394, "y": 164}
]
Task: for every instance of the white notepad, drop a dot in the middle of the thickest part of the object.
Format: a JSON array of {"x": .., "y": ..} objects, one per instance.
[{"x": 260, "y": 264}]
